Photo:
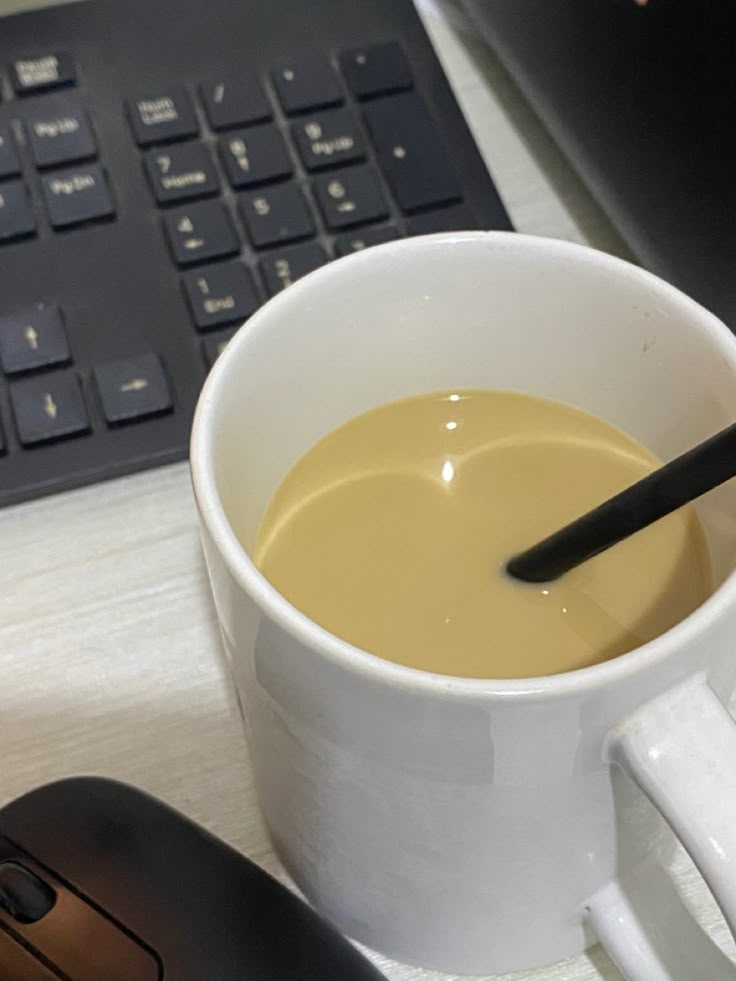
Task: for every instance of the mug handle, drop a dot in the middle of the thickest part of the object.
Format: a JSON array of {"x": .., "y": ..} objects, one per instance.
[{"x": 680, "y": 749}]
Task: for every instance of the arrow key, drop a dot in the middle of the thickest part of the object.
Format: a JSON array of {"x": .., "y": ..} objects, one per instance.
[
  {"x": 200, "y": 232},
  {"x": 48, "y": 408},
  {"x": 133, "y": 389},
  {"x": 350, "y": 197},
  {"x": 32, "y": 339}
]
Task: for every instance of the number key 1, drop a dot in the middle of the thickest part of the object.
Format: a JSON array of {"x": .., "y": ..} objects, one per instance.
[{"x": 221, "y": 294}]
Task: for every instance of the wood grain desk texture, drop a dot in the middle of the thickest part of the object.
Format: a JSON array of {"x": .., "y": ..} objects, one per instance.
[{"x": 108, "y": 640}]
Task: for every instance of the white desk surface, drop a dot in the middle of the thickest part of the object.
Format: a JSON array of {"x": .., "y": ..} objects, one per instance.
[{"x": 108, "y": 640}]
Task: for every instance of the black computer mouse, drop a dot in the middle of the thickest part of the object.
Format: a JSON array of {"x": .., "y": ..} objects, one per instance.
[{"x": 101, "y": 882}]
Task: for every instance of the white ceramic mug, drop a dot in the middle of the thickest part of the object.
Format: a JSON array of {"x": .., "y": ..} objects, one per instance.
[{"x": 480, "y": 826}]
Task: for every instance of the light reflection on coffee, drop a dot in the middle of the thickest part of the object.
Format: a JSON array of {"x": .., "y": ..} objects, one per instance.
[{"x": 392, "y": 532}]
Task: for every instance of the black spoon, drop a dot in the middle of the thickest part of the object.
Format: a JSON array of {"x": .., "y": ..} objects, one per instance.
[{"x": 698, "y": 470}]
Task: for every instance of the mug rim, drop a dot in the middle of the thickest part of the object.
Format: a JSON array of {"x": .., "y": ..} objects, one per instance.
[{"x": 341, "y": 652}]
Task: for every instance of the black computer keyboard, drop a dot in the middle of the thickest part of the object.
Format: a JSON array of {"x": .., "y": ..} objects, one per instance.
[{"x": 168, "y": 165}]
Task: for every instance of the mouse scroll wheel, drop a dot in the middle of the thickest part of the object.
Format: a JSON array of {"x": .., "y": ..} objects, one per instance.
[{"x": 22, "y": 894}]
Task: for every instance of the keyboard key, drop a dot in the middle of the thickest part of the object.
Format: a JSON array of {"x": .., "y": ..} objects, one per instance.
[
  {"x": 59, "y": 132},
  {"x": 376, "y": 70},
  {"x": 357, "y": 241},
  {"x": 328, "y": 139},
  {"x": 48, "y": 408},
  {"x": 410, "y": 152},
  {"x": 16, "y": 217},
  {"x": 350, "y": 197},
  {"x": 9, "y": 163},
  {"x": 181, "y": 172},
  {"x": 213, "y": 346},
  {"x": 32, "y": 339},
  {"x": 281, "y": 269},
  {"x": 222, "y": 294},
  {"x": 50, "y": 71},
  {"x": 132, "y": 389},
  {"x": 200, "y": 232},
  {"x": 307, "y": 83},
  {"x": 275, "y": 215},
  {"x": 77, "y": 195},
  {"x": 162, "y": 117},
  {"x": 456, "y": 219},
  {"x": 254, "y": 156},
  {"x": 235, "y": 102}
]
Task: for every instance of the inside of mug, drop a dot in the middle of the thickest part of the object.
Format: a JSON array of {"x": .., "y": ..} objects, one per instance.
[{"x": 497, "y": 312}]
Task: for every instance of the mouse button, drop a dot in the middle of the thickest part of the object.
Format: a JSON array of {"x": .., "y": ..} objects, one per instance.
[
  {"x": 85, "y": 945},
  {"x": 19, "y": 964},
  {"x": 24, "y": 895},
  {"x": 79, "y": 940}
]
